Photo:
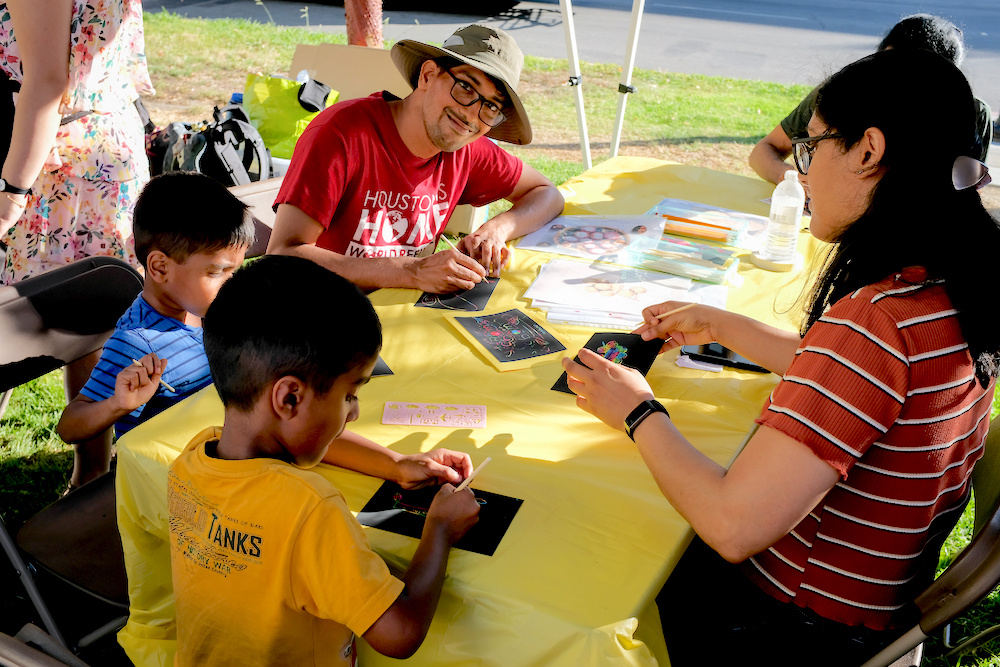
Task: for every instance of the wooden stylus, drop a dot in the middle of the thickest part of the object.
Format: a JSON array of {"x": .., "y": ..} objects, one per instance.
[
  {"x": 474, "y": 473},
  {"x": 136, "y": 362},
  {"x": 675, "y": 311}
]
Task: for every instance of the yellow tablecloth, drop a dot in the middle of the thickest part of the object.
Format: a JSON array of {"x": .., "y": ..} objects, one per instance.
[{"x": 573, "y": 580}]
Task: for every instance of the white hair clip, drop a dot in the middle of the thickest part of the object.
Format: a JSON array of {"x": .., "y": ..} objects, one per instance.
[{"x": 969, "y": 172}]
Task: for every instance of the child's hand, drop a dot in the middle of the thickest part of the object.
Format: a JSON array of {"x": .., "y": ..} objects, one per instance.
[
  {"x": 437, "y": 466},
  {"x": 135, "y": 385},
  {"x": 452, "y": 512}
]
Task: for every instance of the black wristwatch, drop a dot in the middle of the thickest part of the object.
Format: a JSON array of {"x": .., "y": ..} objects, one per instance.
[
  {"x": 642, "y": 411},
  {"x": 7, "y": 187}
]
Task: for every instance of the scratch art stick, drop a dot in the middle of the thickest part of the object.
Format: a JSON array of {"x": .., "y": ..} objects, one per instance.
[
  {"x": 468, "y": 480},
  {"x": 135, "y": 362}
]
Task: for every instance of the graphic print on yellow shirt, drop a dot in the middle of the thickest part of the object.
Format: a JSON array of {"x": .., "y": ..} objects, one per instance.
[{"x": 268, "y": 558}]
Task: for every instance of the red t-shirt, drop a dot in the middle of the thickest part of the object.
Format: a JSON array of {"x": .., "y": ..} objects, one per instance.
[
  {"x": 352, "y": 173},
  {"x": 882, "y": 388}
]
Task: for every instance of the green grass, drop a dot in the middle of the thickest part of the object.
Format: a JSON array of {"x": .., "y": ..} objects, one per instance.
[
  {"x": 34, "y": 463},
  {"x": 196, "y": 64}
]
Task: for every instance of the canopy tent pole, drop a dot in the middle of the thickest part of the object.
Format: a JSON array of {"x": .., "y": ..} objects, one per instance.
[
  {"x": 575, "y": 78},
  {"x": 626, "y": 87}
]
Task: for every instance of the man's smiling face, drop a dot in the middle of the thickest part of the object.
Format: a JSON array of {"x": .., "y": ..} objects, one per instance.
[{"x": 448, "y": 124}]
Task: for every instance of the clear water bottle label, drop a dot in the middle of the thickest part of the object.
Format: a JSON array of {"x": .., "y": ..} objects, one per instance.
[
  {"x": 782, "y": 233},
  {"x": 787, "y": 216}
]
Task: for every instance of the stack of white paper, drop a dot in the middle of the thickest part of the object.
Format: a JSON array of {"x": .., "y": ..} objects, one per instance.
[
  {"x": 607, "y": 297},
  {"x": 637, "y": 241}
]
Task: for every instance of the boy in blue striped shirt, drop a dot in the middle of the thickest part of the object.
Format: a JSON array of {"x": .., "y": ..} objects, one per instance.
[{"x": 190, "y": 234}]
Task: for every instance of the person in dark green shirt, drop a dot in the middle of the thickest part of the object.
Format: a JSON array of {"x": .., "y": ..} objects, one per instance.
[{"x": 918, "y": 31}]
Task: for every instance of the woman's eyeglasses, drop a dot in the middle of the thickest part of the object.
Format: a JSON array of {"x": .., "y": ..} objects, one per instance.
[
  {"x": 803, "y": 147},
  {"x": 463, "y": 93}
]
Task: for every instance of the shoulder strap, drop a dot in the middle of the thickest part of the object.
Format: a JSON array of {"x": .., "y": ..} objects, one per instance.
[{"x": 66, "y": 120}]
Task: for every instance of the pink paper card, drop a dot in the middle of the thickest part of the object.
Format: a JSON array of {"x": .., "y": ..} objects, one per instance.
[{"x": 452, "y": 415}]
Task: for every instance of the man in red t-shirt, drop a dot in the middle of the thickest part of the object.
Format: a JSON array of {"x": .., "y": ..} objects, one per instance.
[{"x": 373, "y": 181}]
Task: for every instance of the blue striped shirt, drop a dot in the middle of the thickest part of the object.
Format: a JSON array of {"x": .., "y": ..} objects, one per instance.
[{"x": 140, "y": 331}]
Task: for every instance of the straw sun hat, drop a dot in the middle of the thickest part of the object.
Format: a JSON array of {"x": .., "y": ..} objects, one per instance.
[{"x": 488, "y": 49}]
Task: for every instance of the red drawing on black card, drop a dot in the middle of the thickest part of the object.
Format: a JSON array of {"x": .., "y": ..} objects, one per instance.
[{"x": 417, "y": 510}]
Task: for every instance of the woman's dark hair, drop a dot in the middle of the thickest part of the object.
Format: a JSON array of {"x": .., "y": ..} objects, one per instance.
[
  {"x": 923, "y": 106},
  {"x": 281, "y": 316},
  {"x": 924, "y": 31}
]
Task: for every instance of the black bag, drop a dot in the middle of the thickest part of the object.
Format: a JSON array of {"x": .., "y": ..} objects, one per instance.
[{"x": 229, "y": 149}]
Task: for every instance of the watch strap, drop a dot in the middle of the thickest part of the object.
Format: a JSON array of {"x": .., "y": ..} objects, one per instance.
[
  {"x": 5, "y": 186},
  {"x": 637, "y": 416}
]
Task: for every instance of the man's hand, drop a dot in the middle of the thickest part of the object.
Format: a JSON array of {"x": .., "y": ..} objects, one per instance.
[
  {"x": 446, "y": 271},
  {"x": 488, "y": 246},
  {"x": 437, "y": 466},
  {"x": 135, "y": 385}
]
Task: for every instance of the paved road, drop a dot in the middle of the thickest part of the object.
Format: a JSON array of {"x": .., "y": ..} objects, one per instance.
[{"x": 775, "y": 40}]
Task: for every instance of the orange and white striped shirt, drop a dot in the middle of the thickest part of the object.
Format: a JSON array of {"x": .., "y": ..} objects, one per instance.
[{"x": 882, "y": 388}]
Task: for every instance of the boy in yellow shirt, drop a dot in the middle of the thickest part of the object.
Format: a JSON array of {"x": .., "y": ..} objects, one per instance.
[{"x": 269, "y": 566}]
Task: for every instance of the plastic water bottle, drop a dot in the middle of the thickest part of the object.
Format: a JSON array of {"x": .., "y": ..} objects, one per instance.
[{"x": 785, "y": 220}]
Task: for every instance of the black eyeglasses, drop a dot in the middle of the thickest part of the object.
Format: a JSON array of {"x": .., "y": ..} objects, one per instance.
[
  {"x": 803, "y": 147},
  {"x": 463, "y": 93}
]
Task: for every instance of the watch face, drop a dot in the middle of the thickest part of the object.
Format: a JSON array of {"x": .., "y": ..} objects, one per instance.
[{"x": 636, "y": 415}]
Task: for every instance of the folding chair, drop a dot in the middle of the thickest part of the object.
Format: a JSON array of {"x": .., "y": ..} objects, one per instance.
[
  {"x": 45, "y": 323},
  {"x": 973, "y": 575},
  {"x": 259, "y": 197},
  {"x": 62, "y": 315},
  {"x": 32, "y": 647}
]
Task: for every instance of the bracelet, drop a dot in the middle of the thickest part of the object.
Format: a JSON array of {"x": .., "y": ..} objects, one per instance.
[{"x": 14, "y": 201}]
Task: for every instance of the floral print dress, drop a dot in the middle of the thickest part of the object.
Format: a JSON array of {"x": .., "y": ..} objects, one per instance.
[{"x": 81, "y": 204}]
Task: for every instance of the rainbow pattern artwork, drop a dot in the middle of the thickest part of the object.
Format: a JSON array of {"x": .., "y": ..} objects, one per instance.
[{"x": 612, "y": 351}]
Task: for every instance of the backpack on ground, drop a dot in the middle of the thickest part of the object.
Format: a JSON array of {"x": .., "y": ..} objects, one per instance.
[{"x": 228, "y": 149}]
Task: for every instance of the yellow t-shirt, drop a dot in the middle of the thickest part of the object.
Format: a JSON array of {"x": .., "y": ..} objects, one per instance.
[{"x": 269, "y": 566}]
